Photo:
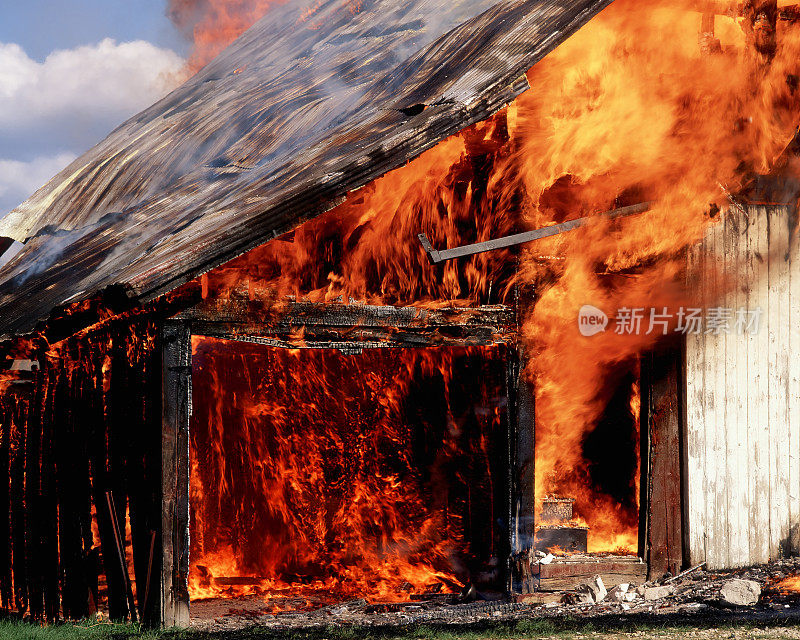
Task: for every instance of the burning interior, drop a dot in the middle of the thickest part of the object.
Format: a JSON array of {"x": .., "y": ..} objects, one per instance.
[
  {"x": 323, "y": 475},
  {"x": 317, "y": 412},
  {"x": 324, "y": 470}
]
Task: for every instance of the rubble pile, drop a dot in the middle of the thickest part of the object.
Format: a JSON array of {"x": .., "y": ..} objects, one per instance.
[{"x": 753, "y": 591}]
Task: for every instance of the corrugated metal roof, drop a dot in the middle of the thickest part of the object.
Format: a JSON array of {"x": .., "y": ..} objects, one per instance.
[{"x": 297, "y": 112}]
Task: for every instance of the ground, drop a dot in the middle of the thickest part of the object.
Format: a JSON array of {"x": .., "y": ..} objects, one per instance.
[
  {"x": 691, "y": 605},
  {"x": 613, "y": 628}
]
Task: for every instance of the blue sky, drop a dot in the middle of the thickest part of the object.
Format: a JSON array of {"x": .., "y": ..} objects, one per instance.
[
  {"x": 41, "y": 26},
  {"x": 71, "y": 71}
]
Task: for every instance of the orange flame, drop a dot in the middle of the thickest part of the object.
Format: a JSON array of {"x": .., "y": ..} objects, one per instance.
[
  {"x": 790, "y": 584},
  {"x": 648, "y": 102},
  {"x": 303, "y": 473},
  {"x": 630, "y": 105},
  {"x": 213, "y": 24}
]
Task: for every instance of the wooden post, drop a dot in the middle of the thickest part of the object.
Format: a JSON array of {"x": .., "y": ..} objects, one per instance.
[
  {"x": 760, "y": 27},
  {"x": 708, "y": 43},
  {"x": 524, "y": 458},
  {"x": 176, "y": 409},
  {"x": 661, "y": 510},
  {"x": 521, "y": 468}
]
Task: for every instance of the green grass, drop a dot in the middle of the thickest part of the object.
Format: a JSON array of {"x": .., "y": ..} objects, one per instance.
[
  {"x": 91, "y": 630},
  {"x": 561, "y": 629}
]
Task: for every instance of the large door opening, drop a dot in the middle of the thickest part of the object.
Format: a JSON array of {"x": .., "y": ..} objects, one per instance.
[{"x": 319, "y": 476}]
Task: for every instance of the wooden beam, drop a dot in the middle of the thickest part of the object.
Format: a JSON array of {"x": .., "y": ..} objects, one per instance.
[
  {"x": 176, "y": 400},
  {"x": 571, "y": 571},
  {"x": 354, "y": 326},
  {"x": 661, "y": 417}
]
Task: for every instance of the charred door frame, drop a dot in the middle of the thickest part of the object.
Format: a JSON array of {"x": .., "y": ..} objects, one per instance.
[
  {"x": 349, "y": 328},
  {"x": 662, "y": 501}
]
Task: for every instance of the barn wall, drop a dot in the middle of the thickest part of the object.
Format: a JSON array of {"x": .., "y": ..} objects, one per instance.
[
  {"x": 743, "y": 394},
  {"x": 84, "y": 425}
]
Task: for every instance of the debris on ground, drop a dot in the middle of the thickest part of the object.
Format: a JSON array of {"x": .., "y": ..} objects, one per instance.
[
  {"x": 741, "y": 592},
  {"x": 658, "y": 593},
  {"x": 592, "y": 592},
  {"x": 755, "y": 593}
]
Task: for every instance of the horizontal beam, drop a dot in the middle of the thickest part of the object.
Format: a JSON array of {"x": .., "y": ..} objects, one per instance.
[
  {"x": 358, "y": 341},
  {"x": 335, "y": 314},
  {"x": 351, "y": 326},
  {"x": 436, "y": 257}
]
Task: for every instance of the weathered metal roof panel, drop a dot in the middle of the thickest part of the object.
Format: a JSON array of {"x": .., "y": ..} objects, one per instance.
[{"x": 301, "y": 109}]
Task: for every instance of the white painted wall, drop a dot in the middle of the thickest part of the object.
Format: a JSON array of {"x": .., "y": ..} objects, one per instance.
[{"x": 743, "y": 395}]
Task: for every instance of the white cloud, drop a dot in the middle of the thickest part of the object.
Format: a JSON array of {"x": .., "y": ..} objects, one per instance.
[
  {"x": 111, "y": 79},
  {"x": 52, "y": 111},
  {"x": 20, "y": 179}
]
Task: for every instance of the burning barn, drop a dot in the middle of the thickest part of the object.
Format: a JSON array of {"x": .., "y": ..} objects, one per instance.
[{"x": 232, "y": 369}]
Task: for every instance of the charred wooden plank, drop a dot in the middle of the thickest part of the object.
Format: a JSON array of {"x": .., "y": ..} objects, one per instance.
[
  {"x": 143, "y": 436},
  {"x": 98, "y": 421},
  {"x": 72, "y": 473},
  {"x": 117, "y": 419},
  {"x": 50, "y": 564},
  {"x": 301, "y": 110},
  {"x": 355, "y": 339},
  {"x": 338, "y": 326},
  {"x": 34, "y": 552},
  {"x": 661, "y": 417},
  {"x": 176, "y": 400},
  {"x": 89, "y": 424},
  {"x": 18, "y": 516},
  {"x": 150, "y": 508},
  {"x": 297, "y": 314},
  {"x": 6, "y": 582}
]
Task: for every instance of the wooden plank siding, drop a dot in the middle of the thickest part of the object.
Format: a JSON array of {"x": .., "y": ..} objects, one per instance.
[
  {"x": 81, "y": 425},
  {"x": 743, "y": 392}
]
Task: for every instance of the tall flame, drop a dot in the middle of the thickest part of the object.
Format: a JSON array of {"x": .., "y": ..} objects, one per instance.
[
  {"x": 631, "y": 105},
  {"x": 651, "y": 101}
]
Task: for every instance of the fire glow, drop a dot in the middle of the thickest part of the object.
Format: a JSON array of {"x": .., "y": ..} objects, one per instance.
[
  {"x": 213, "y": 24},
  {"x": 790, "y": 584},
  {"x": 330, "y": 476},
  {"x": 641, "y": 105}
]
